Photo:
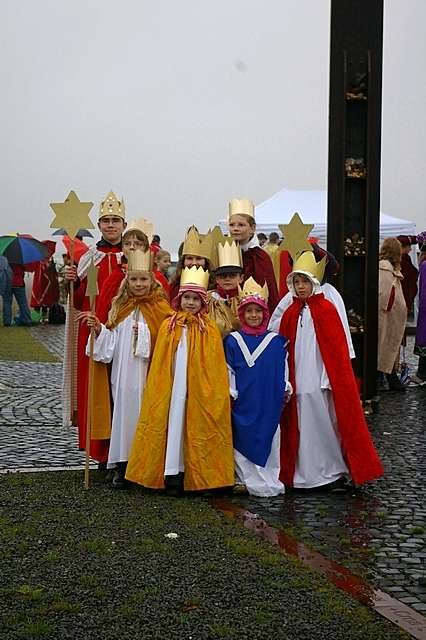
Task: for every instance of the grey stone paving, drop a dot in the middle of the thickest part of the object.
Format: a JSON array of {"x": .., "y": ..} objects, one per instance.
[
  {"x": 378, "y": 531},
  {"x": 51, "y": 336},
  {"x": 31, "y": 431}
]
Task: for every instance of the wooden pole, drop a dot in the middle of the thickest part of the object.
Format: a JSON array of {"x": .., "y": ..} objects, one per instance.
[
  {"x": 89, "y": 402},
  {"x": 73, "y": 410}
]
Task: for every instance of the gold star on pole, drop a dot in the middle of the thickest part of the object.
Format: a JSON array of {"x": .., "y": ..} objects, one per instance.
[
  {"x": 72, "y": 215},
  {"x": 295, "y": 235},
  {"x": 92, "y": 282}
]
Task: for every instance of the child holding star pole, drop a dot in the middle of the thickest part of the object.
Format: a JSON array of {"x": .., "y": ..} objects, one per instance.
[
  {"x": 126, "y": 340},
  {"x": 105, "y": 255}
]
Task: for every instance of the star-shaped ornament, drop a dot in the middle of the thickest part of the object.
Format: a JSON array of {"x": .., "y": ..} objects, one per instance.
[
  {"x": 295, "y": 235},
  {"x": 72, "y": 215},
  {"x": 92, "y": 282}
]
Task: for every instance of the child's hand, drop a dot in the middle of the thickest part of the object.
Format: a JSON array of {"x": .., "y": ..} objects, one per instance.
[
  {"x": 70, "y": 273},
  {"x": 93, "y": 322}
]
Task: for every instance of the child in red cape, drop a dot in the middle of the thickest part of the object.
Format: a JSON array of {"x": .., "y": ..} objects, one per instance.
[{"x": 325, "y": 437}]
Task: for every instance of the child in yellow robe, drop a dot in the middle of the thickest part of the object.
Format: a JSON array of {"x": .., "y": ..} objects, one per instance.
[{"x": 184, "y": 428}]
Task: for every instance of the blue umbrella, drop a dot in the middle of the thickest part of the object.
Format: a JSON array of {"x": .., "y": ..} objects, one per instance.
[
  {"x": 21, "y": 248},
  {"x": 81, "y": 233}
]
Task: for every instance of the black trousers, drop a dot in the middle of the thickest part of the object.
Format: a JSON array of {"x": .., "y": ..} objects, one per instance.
[{"x": 421, "y": 371}]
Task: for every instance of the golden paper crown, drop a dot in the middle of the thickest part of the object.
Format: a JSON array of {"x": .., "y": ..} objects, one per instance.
[
  {"x": 143, "y": 225},
  {"x": 197, "y": 244},
  {"x": 216, "y": 237},
  {"x": 229, "y": 254},
  {"x": 194, "y": 275},
  {"x": 307, "y": 263},
  {"x": 252, "y": 289},
  {"x": 241, "y": 206},
  {"x": 112, "y": 206},
  {"x": 139, "y": 260}
]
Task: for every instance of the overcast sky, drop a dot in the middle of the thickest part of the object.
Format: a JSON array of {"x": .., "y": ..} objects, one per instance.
[{"x": 181, "y": 105}]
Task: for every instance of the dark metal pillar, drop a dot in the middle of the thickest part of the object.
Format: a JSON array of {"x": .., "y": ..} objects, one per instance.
[{"x": 354, "y": 170}]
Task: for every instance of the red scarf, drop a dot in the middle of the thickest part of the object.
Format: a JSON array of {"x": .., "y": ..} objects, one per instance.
[
  {"x": 357, "y": 446},
  {"x": 225, "y": 295}
]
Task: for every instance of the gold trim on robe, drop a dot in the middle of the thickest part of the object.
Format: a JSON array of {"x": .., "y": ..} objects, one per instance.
[
  {"x": 224, "y": 313},
  {"x": 154, "y": 309},
  {"x": 208, "y": 448}
]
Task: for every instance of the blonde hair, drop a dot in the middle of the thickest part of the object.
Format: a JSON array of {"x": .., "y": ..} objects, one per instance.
[
  {"x": 391, "y": 250},
  {"x": 122, "y": 297},
  {"x": 161, "y": 254}
]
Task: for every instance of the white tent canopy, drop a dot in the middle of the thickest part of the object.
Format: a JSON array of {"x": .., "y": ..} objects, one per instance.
[{"x": 311, "y": 205}]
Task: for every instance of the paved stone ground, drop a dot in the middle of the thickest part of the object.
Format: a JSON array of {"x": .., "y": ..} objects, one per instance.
[
  {"x": 378, "y": 531},
  {"x": 31, "y": 432},
  {"x": 51, "y": 336}
]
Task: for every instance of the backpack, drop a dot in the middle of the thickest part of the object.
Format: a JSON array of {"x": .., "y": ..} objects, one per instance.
[{"x": 6, "y": 276}]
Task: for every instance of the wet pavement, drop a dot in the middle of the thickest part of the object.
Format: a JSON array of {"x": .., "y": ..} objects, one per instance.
[
  {"x": 378, "y": 532},
  {"x": 31, "y": 431}
]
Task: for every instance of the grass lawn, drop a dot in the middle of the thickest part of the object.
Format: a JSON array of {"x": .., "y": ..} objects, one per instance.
[
  {"x": 17, "y": 343},
  {"x": 99, "y": 564}
]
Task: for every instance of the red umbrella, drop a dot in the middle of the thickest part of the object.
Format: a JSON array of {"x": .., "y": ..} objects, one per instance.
[{"x": 80, "y": 247}]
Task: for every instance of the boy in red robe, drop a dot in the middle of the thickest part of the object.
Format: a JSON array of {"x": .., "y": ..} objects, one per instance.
[
  {"x": 106, "y": 255},
  {"x": 256, "y": 262}
]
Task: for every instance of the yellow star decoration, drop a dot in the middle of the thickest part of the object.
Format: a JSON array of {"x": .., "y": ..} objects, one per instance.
[
  {"x": 92, "y": 282},
  {"x": 295, "y": 235},
  {"x": 72, "y": 215}
]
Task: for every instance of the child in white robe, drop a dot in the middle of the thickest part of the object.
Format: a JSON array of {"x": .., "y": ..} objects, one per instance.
[
  {"x": 325, "y": 435},
  {"x": 127, "y": 341}
]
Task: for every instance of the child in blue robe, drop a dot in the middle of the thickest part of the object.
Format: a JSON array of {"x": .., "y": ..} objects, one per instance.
[{"x": 259, "y": 386}]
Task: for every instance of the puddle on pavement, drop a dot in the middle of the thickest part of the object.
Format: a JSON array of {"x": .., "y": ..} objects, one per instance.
[{"x": 395, "y": 611}]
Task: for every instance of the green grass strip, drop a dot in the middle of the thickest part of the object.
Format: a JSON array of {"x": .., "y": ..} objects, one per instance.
[
  {"x": 100, "y": 564},
  {"x": 17, "y": 343}
]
